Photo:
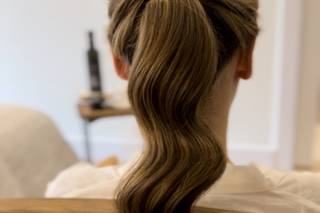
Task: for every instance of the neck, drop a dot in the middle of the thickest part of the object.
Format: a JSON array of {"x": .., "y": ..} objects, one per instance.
[
  {"x": 220, "y": 132},
  {"x": 216, "y": 107},
  {"x": 216, "y": 117}
]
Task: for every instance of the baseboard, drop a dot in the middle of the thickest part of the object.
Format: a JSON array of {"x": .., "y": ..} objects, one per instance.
[{"x": 102, "y": 147}]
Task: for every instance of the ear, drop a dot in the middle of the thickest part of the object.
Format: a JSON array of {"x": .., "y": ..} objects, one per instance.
[
  {"x": 121, "y": 67},
  {"x": 244, "y": 68}
]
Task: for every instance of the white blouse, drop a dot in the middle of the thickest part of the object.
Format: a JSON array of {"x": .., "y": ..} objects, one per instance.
[{"x": 249, "y": 188}]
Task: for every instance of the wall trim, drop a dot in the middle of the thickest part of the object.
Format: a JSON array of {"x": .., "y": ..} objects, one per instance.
[
  {"x": 307, "y": 148},
  {"x": 286, "y": 74}
]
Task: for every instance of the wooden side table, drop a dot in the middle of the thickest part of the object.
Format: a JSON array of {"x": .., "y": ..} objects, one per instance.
[{"x": 89, "y": 115}]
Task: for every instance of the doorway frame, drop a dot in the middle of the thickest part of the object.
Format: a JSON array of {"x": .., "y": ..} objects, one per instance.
[{"x": 286, "y": 81}]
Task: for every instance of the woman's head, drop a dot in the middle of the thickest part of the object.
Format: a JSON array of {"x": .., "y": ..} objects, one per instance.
[{"x": 174, "y": 53}]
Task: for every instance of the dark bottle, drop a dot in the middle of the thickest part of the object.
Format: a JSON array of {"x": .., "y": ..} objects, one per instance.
[{"x": 96, "y": 97}]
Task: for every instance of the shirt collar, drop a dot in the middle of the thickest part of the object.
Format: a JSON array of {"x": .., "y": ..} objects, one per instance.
[
  {"x": 235, "y": 179},
  {"x": 241, "y": 179}
]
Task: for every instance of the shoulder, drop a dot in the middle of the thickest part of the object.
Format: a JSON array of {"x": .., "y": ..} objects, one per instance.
[
  {"x": 82, "y": 179},
  {"x": 281, "y": 177},
  {"x": 304, "y": 184}
]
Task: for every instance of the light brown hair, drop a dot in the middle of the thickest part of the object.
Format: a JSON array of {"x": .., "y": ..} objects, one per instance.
[{"x": 175, "y": 49}]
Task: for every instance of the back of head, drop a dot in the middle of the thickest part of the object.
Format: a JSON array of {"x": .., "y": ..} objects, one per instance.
[{"x": 175, "y": 49}]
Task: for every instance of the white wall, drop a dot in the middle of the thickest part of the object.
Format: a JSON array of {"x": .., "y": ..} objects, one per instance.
[
  {"x": 251, "y": 115},
  {"x": 42, "y": 65}
]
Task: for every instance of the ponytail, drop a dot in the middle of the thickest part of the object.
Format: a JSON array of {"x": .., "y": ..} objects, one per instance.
[{"x": 173, "y": 53}]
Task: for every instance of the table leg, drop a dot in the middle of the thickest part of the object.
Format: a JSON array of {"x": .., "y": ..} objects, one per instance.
[{"x": 87, "y": 142}]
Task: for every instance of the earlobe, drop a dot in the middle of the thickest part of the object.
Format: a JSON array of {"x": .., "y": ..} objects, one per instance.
[
  {"x": 121, "y": 67},
  {"x": 244, "y": 68}
]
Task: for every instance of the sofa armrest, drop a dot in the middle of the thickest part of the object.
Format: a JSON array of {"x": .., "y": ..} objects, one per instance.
[{"x": 32, "y": 149}]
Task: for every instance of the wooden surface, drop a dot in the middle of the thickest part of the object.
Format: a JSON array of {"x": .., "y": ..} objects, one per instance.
[
  {"x": 56, "y": 205},
  {"x": 87, "y": 112},
  {"x": 90, "y": 114},
  {"x": 69, "y": 205}
]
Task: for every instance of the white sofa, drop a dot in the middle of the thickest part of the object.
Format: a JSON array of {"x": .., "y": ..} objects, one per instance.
[{"x": 32, "y": 152}]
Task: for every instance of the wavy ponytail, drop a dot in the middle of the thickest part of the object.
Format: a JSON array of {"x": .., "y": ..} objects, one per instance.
[{"x": 175, "y": 53}]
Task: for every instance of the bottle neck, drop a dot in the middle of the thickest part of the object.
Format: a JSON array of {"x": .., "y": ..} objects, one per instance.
[{"x": 91, "y": 41}]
